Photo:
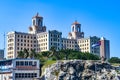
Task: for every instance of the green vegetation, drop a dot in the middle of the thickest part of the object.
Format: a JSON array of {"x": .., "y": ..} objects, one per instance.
[
  {"x": 49, "y": 57},
  {"x": 26, "y": 54},
  {"x": 114, "y": 60},
  {"x": 47, "y": 63}
]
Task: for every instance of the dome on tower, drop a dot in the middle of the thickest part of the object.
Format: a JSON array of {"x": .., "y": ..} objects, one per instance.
[
  {"x": 37, "y": 16},
  {"x": 75, "y": 23}
]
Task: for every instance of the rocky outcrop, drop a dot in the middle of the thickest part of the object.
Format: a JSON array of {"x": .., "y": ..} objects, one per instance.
[{"x": 80, "y": 70}]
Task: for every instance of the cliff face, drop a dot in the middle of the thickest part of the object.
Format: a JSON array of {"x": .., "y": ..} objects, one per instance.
[{"x": 80, "y": 70}]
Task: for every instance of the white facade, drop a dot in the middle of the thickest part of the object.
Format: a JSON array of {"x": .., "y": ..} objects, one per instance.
[
  {"x": 37, "y": 38},
  {"x": 19, "y": 69},
  {"x": 17, "y": 41}
]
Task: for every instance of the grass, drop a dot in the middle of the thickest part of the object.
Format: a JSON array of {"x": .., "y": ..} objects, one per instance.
[
  {"x": 47, "y": 63},
  {"x": 115, "y": 64}
]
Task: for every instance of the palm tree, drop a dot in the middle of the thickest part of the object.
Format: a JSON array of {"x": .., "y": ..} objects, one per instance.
[
  {"x": 33, "y": 53},
  {"x": 20, "y": 54},
  {"x": 26, "y": 53},
  {"x": 53, "y": 51}
]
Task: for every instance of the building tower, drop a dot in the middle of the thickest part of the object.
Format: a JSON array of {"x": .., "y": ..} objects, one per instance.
[
  {"x": 37, "y": 25},
  {"x": 105, "y": 48},
  {"x": 76, "y": 31}
]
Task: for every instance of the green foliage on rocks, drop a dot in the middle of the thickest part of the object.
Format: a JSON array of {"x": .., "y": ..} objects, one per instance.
[{"x": 114, "y": 60}]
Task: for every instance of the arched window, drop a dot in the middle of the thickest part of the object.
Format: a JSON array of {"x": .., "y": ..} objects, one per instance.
[
  {"x": 72, "y": 28},
  {"x": 78, "y": 28},
  {"x": 39, "y": 22},
  {"x": 33, "y": 22}
]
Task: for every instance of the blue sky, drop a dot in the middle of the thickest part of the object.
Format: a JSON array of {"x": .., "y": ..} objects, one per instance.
[{"x": 98, "y": 17}]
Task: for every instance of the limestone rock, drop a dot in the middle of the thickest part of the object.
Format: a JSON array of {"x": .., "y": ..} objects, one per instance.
[{"x": 81, "y": 70}]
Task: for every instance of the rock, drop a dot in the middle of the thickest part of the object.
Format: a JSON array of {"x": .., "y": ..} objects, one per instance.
[
  {"x": 71, "y": 71},
  {"x": 62, "y": 75},
  {"x": 81, "y": 70}
]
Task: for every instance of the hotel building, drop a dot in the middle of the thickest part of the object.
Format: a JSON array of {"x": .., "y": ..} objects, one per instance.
[{"x": 41, "y": 40}]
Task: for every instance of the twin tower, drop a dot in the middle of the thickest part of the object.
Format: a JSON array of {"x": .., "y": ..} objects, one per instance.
[{"x": 37, "y": 27}]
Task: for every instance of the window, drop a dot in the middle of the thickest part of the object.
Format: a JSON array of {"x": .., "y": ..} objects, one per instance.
[
  {"x": 34, "y": 41},
  {"x": 26, "y": 63},
  {"x": 25, "y": 75},
  {"x": 33, "y": 22},
  {"x": 16, "y": 75},
  {"x": 73, "y": 29},
  {"x": 30, "y": 63},
  {"x": 34, "y": 37},
  {"x": 17, "y": 48},
  {"x": 39, "y": 22},
  {"x": 21, "y": 63},
  {"x": 17, "y": 63}
]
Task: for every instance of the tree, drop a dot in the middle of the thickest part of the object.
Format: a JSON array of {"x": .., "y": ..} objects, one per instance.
[
  {"x": 53, "y": 51},
  {"x": 20, "y": 54},
  {"x": 114, "y": 60},
  {"x": 26, "y": 53},
  {"x": 33, "y": 53}
]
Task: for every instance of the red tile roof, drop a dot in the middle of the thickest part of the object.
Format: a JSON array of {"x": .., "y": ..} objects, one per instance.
[{"x": 75, "y": 23}]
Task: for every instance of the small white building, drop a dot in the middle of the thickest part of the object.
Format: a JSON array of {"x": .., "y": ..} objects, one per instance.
[{"x": 19, "y": 69}]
